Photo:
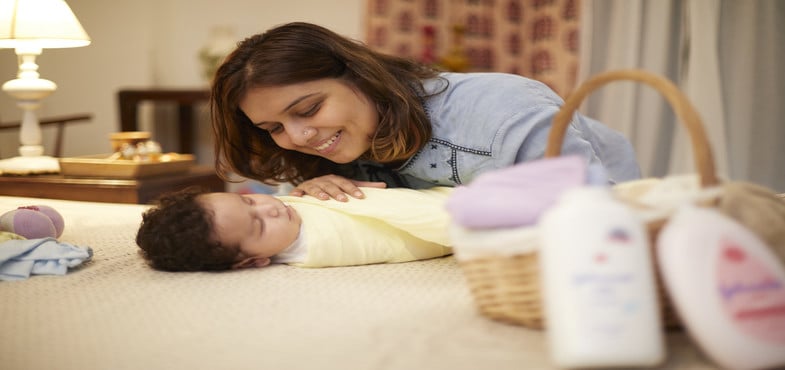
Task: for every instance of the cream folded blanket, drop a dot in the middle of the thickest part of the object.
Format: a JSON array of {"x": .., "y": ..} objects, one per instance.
[{"x": 388, "y": 226}]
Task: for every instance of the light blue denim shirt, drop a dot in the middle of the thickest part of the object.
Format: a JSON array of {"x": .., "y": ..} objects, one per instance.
[{"x": 486, "y": 121}]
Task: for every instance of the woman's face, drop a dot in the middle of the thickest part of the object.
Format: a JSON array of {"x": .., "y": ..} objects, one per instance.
[
  {"x": 260, "y": 225},
  {"x": 326, "y": 118}
]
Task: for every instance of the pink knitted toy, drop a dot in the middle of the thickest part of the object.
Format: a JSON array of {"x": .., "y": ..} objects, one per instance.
[{"x": 33, "y": 222}]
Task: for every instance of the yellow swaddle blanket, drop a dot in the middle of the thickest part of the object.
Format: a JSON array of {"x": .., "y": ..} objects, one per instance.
[{"x": 388, "y": 226}]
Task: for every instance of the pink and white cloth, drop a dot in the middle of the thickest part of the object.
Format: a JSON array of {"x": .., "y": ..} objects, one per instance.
[{"x": 517, "y": 195}]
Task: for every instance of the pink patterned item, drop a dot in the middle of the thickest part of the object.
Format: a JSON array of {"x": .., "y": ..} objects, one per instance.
[{"x": 33, "y": 222}]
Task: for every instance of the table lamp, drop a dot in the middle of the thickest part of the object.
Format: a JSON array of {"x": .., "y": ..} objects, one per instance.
[{"x": 28, "y": 26}]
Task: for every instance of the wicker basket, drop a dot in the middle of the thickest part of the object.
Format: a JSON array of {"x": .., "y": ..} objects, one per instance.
[{"x": 507, "y": 287}]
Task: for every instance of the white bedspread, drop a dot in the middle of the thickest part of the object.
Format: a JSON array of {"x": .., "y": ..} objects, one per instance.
[{"x": 116, "y": 313}]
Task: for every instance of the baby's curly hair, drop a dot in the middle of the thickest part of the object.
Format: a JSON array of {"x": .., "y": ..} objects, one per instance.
[{"x": 176, "y": 235}]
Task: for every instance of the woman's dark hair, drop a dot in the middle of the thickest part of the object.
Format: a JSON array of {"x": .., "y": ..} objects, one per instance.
[
  {"x": 176, "y": 235},
  {"x": 302, "y": 52}
]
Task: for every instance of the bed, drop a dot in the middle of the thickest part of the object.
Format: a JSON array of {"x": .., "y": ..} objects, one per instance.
[{"x": 114, "y": 312}]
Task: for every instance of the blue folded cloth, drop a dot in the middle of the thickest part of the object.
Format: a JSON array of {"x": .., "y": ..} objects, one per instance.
[{"x": 45, "y": 256}]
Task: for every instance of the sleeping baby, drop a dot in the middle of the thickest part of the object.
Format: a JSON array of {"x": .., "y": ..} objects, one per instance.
[{"x": 196, "y": 231}]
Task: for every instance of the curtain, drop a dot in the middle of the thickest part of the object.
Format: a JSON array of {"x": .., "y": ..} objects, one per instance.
[
  {"x": 751, "y": 62},
  {"x": 725, "y": 55},
  {"x": 534, "y": 38}
]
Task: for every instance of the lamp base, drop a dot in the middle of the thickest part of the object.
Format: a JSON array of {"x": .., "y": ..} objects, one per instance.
[{"x": 29, "y": 165}]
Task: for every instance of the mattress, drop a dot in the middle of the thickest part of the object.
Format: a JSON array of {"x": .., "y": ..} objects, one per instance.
[{"x": 114, "y": 312}]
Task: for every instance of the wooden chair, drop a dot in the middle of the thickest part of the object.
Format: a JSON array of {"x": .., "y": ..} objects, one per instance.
[
  {"x": 186, "y": 99},
  {"x": 59, "y": 121}
]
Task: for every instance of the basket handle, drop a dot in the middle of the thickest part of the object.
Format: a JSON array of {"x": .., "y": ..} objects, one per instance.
[{"x": 678, "y": 101}]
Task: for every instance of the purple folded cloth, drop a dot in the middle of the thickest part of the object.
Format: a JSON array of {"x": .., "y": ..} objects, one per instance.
[{"x": 517, "y": 195}]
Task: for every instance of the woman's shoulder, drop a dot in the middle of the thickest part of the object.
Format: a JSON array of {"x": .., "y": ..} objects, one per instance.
[
  {"x": 451, "y": 81},
  {"x": 460, "y": 99},
  {"x": 490, "y": 85},
  {"x": 484, "y": 76}
]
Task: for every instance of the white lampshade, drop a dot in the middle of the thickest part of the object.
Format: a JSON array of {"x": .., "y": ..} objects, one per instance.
[{"x": 40, "y": 24}]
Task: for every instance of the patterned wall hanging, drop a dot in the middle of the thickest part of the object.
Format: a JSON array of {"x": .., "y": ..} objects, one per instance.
[{"x": 533, "y": 38}]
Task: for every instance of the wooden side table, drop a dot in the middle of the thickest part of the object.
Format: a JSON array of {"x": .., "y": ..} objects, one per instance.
[{"x": 141, "y": 191}]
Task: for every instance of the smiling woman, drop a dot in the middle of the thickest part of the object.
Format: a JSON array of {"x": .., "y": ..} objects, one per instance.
[{"x": 304, "y": 105}]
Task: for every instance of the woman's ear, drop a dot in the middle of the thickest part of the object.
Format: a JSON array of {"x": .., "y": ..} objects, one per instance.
[{"x": 252, "y": 262}]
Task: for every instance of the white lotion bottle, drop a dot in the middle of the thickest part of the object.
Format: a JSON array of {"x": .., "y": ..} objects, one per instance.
[
  {"x": 727, "y": 286},
  {"x": 598, "y": 284}
]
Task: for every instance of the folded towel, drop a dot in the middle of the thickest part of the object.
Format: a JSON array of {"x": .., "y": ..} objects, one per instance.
[
  {"x": 45, "y": 256},
  {"x": 517, "y": 195}
]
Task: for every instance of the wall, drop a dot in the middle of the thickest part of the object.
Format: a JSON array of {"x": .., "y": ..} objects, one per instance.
[{"x": 143, "y": 43}]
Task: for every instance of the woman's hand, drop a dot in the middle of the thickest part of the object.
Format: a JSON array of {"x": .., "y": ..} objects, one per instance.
[{"x": 333, "y": 186}]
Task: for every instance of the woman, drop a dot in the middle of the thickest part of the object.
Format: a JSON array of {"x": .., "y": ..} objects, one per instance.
[{"x": 301, "y": 104}]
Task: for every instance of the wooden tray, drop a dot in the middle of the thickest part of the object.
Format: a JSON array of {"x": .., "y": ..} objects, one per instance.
[{"x": 99, "y": 166}]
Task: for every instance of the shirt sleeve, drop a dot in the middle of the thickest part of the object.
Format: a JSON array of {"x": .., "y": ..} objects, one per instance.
[{"x": 604, "y": 149}]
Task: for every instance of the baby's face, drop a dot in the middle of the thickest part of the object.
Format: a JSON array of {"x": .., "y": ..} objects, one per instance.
[{"x": 260, "y": 224}]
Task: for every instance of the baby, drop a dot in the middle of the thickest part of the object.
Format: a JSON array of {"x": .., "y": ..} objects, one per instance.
[{"x": 193, "y": 230}]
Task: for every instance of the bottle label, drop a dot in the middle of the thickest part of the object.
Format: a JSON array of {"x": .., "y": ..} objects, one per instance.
[
  {"x": 752, "y": 294},
  {"x": 605, "y": 286}
]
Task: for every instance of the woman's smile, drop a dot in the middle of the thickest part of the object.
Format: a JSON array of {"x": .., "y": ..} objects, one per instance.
[{"x": 329, "y": 145}]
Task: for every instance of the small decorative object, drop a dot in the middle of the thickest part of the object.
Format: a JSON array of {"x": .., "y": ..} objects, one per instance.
[
  {"x": 118, "y": 139},
  {"x": 134, "y": 145},
  {"x": 33, "y": 222},
  {"x": 456, "y": 60},
  {"x": 219, "y": 44}
]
